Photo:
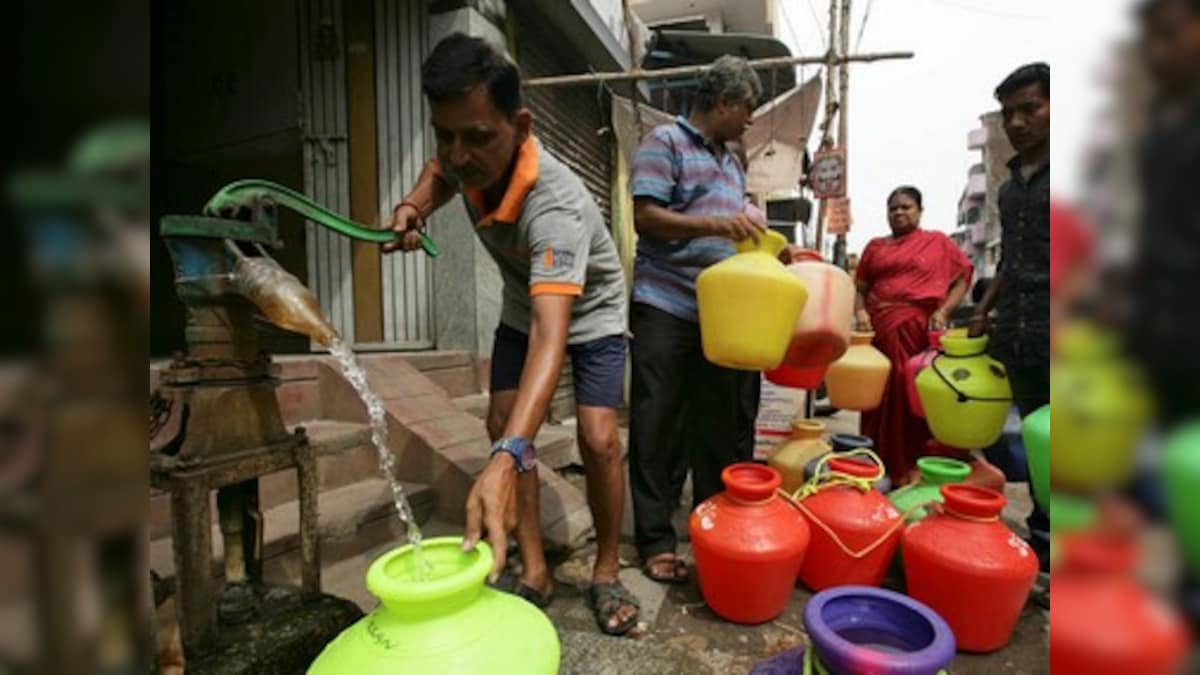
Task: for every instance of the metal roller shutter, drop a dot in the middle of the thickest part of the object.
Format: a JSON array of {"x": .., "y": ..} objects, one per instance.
[{"x": 567, "y": 119}]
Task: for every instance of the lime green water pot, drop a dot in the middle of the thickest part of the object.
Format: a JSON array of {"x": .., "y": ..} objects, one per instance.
[
  {"x": 1102, "y": 408},
  {"x": 935, "y": 472},
  {"x": 966, "y": 393},
  {"x": 448, "y": 623},
  {"x": 1035, "y": 431},
  {"x": 1181, "y": 464}
]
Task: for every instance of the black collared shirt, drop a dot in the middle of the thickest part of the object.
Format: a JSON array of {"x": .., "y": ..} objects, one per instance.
[
  {"x": 1021, "y": 331},
  {"x": 1166, "y": 315}
]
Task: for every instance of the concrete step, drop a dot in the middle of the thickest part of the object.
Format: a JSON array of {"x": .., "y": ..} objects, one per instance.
[
  {"x": 351, "y": 519},
  {"x": 344, "y": 456},
  {"x": 453, "y": 371},
  {"x": 555, "y": 443},
  {"x": 557, "y": 446},
  {"x": 474, "y": 404}
]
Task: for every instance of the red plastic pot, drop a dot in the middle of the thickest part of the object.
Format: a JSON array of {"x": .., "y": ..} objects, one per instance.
[
  {"x": 797, "y": 378},
  {"x": 915, "y": 365},
  {"x": 1104, "y": 622},
  {"x": 1113, "y": 627},
  {"x": 970, "y": 568},
  {"x": 854, "y": 531},
  {"x": 749, "y": 545}
]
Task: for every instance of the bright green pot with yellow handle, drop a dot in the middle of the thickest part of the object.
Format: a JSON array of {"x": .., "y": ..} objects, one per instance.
[{"x": 448, "y": 622}]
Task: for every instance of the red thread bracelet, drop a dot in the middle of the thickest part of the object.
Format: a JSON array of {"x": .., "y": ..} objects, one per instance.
[{"x": 420, "y": 215}]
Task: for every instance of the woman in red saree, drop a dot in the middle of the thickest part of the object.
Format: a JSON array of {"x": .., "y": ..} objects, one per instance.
[{"x": 908, "y": 283}]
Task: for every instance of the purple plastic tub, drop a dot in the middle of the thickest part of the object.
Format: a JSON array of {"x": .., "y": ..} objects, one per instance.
[
  {"x": 859, "y": 629},
  {"x": 790, "y": 662}
]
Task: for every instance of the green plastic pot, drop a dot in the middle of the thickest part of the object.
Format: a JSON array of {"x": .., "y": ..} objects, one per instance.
[
  {"x": 1035, "y": 431},
  {"x": 449, "y": 622},
  {"x": 935, "y": 472},
  {"x": 1068, "y": 513},
  {"x": 1181, "y": 463}
]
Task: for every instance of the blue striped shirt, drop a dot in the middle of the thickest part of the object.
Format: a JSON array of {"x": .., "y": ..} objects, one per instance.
[{"x": 676, "y": 166}]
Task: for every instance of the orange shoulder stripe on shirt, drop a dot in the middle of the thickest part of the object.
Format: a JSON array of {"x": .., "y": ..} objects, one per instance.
[
  {"x": 555, "y": 288},
  {"x": 524, "y": 176}
]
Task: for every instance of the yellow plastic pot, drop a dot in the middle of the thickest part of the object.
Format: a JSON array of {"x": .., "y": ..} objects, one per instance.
[
  {"x": 446, "y": 622},
  {"x": 790, "y": 457},
  {"x": 1101, "y": 408},
  {"x": 858, "y": 379},
  {"x": 749, "y": 304},
  {"x": 966, "y": 393}
]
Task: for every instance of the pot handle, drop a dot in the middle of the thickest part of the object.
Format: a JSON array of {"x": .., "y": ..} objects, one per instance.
[{"x": 769, "y": 242}]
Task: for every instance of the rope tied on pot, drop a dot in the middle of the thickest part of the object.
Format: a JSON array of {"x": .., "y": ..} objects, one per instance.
[{"x": 825, "y": 478}]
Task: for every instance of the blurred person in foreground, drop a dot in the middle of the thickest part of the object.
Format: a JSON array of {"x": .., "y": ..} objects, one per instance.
[
  {"x": 907, "y": 284},
  {"x": 1165, "y": 317},
  {"x": 1020, "y": 291}
]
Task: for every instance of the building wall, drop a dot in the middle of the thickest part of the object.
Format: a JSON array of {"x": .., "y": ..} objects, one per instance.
[
  {"x": 997, "y": 151},
  {"x": 570, "y": 121},
  {"x": 980, "y": 238}
]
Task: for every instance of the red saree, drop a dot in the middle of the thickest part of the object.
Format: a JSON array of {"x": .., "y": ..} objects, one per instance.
[{"x": 908, "y": 280}]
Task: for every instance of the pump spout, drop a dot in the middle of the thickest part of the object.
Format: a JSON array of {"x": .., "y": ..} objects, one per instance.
[{"x": 280, "y": 296}]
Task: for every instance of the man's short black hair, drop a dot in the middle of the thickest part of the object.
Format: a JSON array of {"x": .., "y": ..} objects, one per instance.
[
  {"x": 1032, "y": 73},
  {"x": 459, "y": 63}
]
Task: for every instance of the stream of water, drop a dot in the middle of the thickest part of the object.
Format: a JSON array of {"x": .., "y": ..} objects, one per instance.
[
  {"x": 379, "y": 435},
  {"x": 288, "y": 303}
]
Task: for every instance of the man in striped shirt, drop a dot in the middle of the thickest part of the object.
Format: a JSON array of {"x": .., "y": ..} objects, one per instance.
[{"x": 689, "y": 196}]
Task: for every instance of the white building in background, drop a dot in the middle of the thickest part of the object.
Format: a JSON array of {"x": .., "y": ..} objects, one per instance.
[{"x": 978, "y": 231}]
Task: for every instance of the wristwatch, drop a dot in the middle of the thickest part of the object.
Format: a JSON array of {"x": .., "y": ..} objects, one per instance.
[{"x": 521, "y": 449}]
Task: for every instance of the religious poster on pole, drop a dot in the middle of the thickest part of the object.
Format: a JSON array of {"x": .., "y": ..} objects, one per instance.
[
  {"x": 837, "y": 216},
  {"x": 827, "y": 176}
]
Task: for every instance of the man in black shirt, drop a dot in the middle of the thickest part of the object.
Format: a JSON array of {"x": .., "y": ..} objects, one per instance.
[
  {"x": 1166, "y": 317},
  {"x": 1020, "y": 291}
]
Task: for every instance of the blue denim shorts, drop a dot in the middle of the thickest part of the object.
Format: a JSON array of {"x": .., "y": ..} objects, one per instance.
[{"x": 597, "y": 367}]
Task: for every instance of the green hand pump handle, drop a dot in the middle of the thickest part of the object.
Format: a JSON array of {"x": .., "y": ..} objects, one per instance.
[{"x": 241, "y": 192}]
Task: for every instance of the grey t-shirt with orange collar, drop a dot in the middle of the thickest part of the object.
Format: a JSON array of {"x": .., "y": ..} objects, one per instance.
[{"x": 548, "y": 237}]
